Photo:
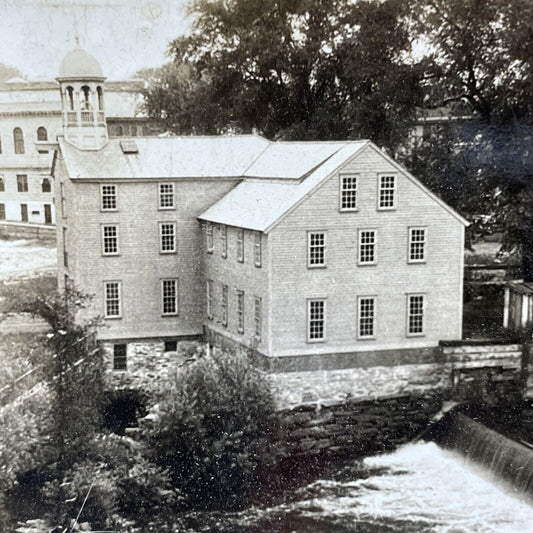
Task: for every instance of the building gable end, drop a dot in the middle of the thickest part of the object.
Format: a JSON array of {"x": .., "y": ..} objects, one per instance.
[
  {"x": 405, "y": 173},
  {"x": 323, "y": 181}
]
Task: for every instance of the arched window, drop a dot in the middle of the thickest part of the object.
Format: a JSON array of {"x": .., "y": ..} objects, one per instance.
[
  {"x": 18, "y": 140},
  {"x": 120, "y": 131},
  {"x": 70, "y": 97},
  {"x": 133, "y": 130},
  {"x": 100, "y": 94},
  {"x": 42, "y": 134},
  {"x": 46, "y": 186},
  {"x": 86, "y": 98}
]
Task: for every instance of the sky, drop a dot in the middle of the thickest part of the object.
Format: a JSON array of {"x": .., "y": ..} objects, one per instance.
[{"x": 123, "y": 35}]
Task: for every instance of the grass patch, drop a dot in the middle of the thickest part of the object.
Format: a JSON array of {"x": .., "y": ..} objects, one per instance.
[{"x": 9, "y": 291}]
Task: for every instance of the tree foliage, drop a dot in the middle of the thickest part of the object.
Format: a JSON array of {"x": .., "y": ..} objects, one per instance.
[
  {"x": 482, "y": 55},
  {"x": 213, "y": 432},
  {"x": 328, "y": 69},
  {"x": 7, "y": 72}
]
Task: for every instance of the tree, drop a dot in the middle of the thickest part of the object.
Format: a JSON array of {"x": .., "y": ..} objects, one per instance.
[
  {"x": 74, "y": 374},
  {"x": 213, "y": 431},
  {"x": 7, "y": 72},
  {"x": 481, "y": 54},
  {"x": 291, "y": 69}
]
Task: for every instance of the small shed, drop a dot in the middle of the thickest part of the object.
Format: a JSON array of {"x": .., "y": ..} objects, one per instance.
[{"x": 518, "y": 305}]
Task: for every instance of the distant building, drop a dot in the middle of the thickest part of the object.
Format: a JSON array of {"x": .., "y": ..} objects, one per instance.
[
  {"x": 31, "y": 119},
  {"x": 321, "y": 254}
]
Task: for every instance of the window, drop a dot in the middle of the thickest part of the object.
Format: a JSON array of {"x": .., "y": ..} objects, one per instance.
[
  {"x": 2, "y": 184},
  {"x": 367, "y": 247},
  {"x": 224, "y": 241},
  {"x": 112, "y": 299},
  {"x": 415, "y": 314},
  {"x": 24, "y": 212},
  {"x": 63, "y": 201},
  {"x": 387, "y": 185},
  {"x": 86, "y": 99},
  {"x": 18, "y": 141},
  {"x": 70, "y": 98},
  {"x": 171, "y": 346},
  {"x": 316, "y": 249},
  {"x": 167, "y": 237},
  {"x": 109, "y": 197},
  {"x": 209, "y": 298},
  {"x": 348, "y": 193},
  {"x": 65, "y": 249},
  {"x": 0, "y": 145},
  {"x": 366, "y": 318},
  {"x": 240, "y": 311},
  {"x": 224, "y": 305},
  {"x": 316, "y": 320},
  {"x": 46, "y": 186},
  {"x": 258, "y": 320},
  {"x": 42, "y": 134},
  {"x": 257, "y": 249},
  {"x": 417, "y": 245},
  {"x": 22, "y": 183},
  {"x": 100, "y": 96},
  {"x": 169, "y": 296},
  {"x": 120, "y": 131},
  {"x": 166, "y": 196},
  {"x": 209, "y": 237},
  {"x": 110, "y": 240},
  {"x": 2, "y": 211},
  {"x": 120, "y": 357},
  {"x": 133, "y": 130},
  {"x": 240, "y": 245}
]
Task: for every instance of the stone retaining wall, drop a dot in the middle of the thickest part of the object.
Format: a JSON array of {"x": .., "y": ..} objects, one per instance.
[
  {"x": 336, "y": 386},
  {"x": 22, "y": 230},
  {"x": 356, "y": 428},
  {"x": 148, "y": 364}
]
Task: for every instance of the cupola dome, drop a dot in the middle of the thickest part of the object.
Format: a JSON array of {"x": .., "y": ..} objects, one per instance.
[{"x": 78, "y": 64}]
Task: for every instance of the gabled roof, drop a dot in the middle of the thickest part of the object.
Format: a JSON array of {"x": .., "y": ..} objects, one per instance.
[
  {"x": 260, "y": 204},
  {"x": 166, "y": 157},
  {"x": 276, "y": 176},
  {"x": 291, "y": 160}
]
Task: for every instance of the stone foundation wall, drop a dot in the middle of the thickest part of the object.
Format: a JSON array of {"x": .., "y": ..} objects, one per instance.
[
  {"x": 22, "y": 230},
  {"x": 148, "y": 364},
  {"x": 356, "y": 428},
  {"x": 336, "y": 386}
]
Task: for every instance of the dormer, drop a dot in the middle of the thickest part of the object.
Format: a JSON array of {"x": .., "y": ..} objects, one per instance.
[{"x": 82, "y": 100}]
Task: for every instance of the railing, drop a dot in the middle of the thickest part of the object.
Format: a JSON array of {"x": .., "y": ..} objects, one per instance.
[
  {"x": 87, "y": 117},
  {"x": 72, "y": 117}
]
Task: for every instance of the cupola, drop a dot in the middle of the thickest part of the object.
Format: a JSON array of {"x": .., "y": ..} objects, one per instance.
[{"x": 82, "y": 100}]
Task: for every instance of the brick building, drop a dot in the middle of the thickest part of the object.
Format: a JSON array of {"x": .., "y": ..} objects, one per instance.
[
  {"x": 31, "y": 119},
  {"x": 312, "y": 254}
]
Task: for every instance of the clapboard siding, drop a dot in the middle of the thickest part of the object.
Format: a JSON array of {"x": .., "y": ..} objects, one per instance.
[
  {"x": 342, "y": 281},
  {"x": 140, "y": 266},
  {"x": 238, "y": 276}
]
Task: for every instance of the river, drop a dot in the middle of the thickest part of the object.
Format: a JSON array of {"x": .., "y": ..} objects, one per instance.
[{"x": 419, "y": 488}]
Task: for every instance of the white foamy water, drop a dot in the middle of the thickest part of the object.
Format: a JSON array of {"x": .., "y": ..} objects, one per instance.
[
  {"x": 441, "y": 487},
  {"x": 420, "y": 488}
]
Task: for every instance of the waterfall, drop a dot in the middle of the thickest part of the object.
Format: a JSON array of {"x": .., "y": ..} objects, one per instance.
[{"x": 504, "y": 458}]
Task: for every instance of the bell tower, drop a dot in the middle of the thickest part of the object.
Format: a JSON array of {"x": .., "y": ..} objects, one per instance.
[{"x": 82, "y": 100}]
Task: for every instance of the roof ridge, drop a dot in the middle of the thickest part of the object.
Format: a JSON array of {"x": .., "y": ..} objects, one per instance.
[{"x": 256, "y": 158}]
